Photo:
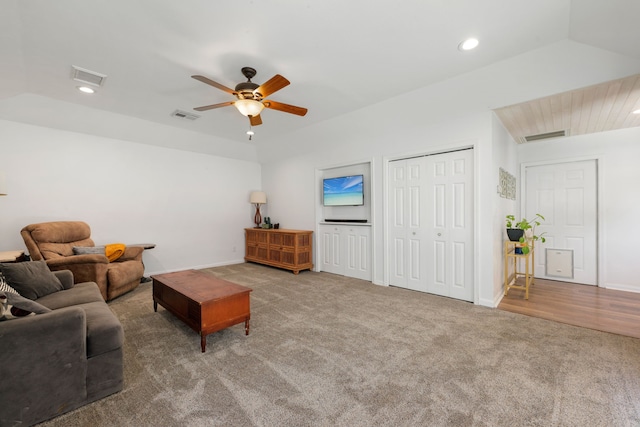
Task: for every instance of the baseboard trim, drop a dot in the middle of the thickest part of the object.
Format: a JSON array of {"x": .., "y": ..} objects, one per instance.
[
  {"x": 196, "y": 267},
  {"x": 620, "y": 287}
]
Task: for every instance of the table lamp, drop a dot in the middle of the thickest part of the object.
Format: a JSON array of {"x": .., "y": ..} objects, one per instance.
[{"x": 258, "y": 198}]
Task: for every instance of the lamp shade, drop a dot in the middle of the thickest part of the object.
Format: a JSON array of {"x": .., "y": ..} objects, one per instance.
[
  {"x": 3, "y": 186},
  {"x": 258, "y": 197},
  {"x": 249, "y": 107}
]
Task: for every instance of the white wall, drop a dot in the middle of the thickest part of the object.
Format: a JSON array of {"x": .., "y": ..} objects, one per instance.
[
  {"x": 290, "y": 183},
  {"x": 193, "y": 206},
  {"x": 452, "y": 113},
  {"x": 618, "y": 196},
  {"x": 505, "y": 157}
]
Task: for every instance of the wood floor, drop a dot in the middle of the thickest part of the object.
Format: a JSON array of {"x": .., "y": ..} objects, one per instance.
[{"x": 580, "y": 305}]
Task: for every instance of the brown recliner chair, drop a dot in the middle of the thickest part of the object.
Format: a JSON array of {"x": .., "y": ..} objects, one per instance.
[{"x": 54, "y": 243}]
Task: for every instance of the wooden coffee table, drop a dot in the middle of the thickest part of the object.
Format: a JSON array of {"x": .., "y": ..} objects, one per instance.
[{"x": 204, "y": 302}]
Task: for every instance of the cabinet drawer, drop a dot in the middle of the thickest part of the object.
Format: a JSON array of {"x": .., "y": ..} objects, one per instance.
[
  {"x": 282, "y": 255},
  {"x": 282, "y": 239}
]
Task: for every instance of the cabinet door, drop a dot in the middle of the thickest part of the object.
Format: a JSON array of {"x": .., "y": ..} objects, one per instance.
[
  {"x": 256, "y": 244},
  {"x": 303, "y": 250},
  {"x": 357, "y": 248},
  {"x": 407, "y": 214},
  {"x": 331, "y": 249},
  {"x": 282, "y": 248}
]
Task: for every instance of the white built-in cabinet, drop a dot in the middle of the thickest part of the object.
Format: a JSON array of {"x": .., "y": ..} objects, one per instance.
[{"x": 346, "y": 249}]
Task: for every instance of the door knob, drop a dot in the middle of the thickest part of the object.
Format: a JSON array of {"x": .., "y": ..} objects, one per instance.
[{"x": 439, "y": 234}]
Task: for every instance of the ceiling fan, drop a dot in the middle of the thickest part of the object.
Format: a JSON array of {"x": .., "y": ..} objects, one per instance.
[{"x": 250, "y": 96}]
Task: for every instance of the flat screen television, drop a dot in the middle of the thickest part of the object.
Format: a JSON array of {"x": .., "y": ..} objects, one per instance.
[{"x": 343, "y": 191}]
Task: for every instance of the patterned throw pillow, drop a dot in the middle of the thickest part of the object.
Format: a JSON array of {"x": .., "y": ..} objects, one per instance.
[
  {"x": 13, "y": 306},
  {"x": 4, "y": 286}
]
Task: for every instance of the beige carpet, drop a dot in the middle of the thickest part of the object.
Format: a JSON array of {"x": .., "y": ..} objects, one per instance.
[{"x": 326, "y": 350}]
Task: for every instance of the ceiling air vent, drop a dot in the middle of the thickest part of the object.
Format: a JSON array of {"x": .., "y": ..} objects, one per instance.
[
  {"x": 86, "y": 76},
  {"x": 184, "y": 115},
  {"x": 541, "y": 136}
]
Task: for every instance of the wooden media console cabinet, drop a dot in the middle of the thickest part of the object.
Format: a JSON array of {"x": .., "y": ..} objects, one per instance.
[{"x": 288, "y": 249}]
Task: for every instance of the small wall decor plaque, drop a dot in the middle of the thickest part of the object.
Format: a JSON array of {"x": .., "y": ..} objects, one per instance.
[{"x": 507, "y": 185}]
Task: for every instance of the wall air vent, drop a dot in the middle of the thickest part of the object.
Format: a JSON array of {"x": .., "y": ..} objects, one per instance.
[
  {"x": 86, "y": 76},
  {"x": 184, "y": 115},
  {"x": 542, "y": 136}
]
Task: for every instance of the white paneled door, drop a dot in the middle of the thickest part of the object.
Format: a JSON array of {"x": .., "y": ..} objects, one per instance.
[
  {"x": 566, "y": 195},
  {"x": 431, "y": 224},
  {"x": 406, "y": 229}
]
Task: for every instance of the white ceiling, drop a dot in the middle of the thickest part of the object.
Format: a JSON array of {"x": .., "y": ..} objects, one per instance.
[
  {"x": 598, "y": 108},
  {"x": 340, "y": 56}
]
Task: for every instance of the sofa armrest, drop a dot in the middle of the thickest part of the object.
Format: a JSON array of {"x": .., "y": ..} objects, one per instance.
[
  {"x": 43, "y": 364},
  {"x": 84, "y": 271},
  {"x": 131, "y": 253},
  {"x": 65, "y": 277},
  {"x": 77, "y": 259}
]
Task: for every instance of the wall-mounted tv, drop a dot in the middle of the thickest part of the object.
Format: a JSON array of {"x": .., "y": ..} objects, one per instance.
[{"x": 343, "y": 191}]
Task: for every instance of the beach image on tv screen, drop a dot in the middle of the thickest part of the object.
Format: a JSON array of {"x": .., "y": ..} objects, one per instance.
[{"x": 343, "y": 191}]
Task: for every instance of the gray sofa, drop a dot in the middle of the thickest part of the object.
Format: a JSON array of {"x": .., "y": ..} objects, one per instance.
[{"x": 55, "y": 362}]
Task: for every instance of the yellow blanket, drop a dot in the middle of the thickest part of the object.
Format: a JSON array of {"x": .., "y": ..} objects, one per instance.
[{"x": 114, "y": 251}]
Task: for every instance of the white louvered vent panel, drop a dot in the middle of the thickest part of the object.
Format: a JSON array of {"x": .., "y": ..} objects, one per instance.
[{"x": 87, "y": 76}]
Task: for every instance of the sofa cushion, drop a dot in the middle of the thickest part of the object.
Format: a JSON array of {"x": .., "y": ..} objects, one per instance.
[
  {"x": 104, "y": 331},
  {"x": 31, "y": 279},
  {"x": 80, "y": 293},
  {"x": 14, "y": 306}
]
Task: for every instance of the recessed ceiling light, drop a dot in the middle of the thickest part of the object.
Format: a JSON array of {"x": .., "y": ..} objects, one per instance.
[
  {"x": 637, "y": 111},
  {"x": 85, "y": 89},
  {"x": 468, "y": 44}
]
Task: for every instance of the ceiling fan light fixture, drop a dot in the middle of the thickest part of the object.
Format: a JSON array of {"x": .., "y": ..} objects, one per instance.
[
  {"x": 636, "y": 111},
  {"x": 249, "y": 107}
]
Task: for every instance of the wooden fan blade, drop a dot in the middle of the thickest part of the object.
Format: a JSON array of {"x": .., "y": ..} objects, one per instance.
[
  {"x": 212, "y": 106},
  {"x": 272, "y": 85},
  {"x": 255, "y": 120},
  {"x": 210, "y": 82},
  {"x": 285, "y": 107}
]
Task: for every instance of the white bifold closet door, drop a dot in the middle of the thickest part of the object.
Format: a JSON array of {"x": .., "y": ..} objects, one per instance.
[{"x": 431, "y": 224}]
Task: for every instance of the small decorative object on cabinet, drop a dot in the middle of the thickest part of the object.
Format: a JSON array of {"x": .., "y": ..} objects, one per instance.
[
  {"x": 288, "y": 249},
  {"x": 511, "y": 258}
]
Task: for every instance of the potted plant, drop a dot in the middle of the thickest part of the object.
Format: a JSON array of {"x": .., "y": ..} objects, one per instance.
[
  {"x": 527, "y": 230},
  {"x": 514, "y": 233}
]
